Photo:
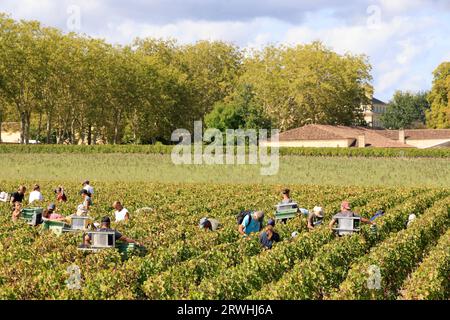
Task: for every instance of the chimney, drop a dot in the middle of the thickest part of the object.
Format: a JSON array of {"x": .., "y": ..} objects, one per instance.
[
  {"x": 401, "y": 136},
  {"x": 361, "y": 141}
]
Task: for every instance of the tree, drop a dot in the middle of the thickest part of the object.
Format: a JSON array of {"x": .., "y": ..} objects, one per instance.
[
  {"x": 308, "y": 84},
  {"x": 405, "y": 110},
  {"x": 241, "y": 111},
  {"x": 438, "y": 116}
]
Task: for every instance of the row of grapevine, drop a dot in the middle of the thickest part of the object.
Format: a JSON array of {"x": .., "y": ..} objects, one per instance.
[
  {"x": 396, "y": 257},
  {"x": 431, "y": 280},
  {"x": 167, "y": 149},
  {"x": 175, "y": 282},
  {"x": 312, "y": 279}
]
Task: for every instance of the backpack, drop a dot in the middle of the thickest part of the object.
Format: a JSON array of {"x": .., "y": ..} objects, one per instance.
[{"x": 241, "y": 216}]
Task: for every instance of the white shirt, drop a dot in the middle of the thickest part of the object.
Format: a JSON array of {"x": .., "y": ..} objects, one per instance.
[
  {"x": 35, "y": 196},
  {"x": 120, "y": 215},
  {"x": 89, "y": 189}
]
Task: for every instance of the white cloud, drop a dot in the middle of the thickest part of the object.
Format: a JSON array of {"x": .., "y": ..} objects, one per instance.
[{"x": 405, "y": 42}]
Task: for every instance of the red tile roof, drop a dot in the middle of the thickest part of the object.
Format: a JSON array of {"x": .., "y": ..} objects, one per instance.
[
  {"x": 373, "y": 138},
  {"x": 418, "y": 134}
]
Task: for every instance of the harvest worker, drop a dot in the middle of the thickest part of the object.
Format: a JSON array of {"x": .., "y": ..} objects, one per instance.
[
  {"x": 377, "y": 214},
  {"x": 315, "y": 217},
  {"x": 209, "y": 224},
  {"x": 60, "y": 194},
  {"x": 106, "y": 227},
  {"x": 18, "y": 196},
  {"x": 50, "y": 214},
  {"x": 268, "y": 237},
  {"x": 251, "y": 223},
  {"x": 346, "y": 212},
  {"x": 35, "y": 195},
  {"x": 88, "y": 188},
  {"x": 17, "y": 210},
  {"x": 121, "y": 213},
  {"x": 286, "y": 199},
  {"x": 87, "y": 201}
]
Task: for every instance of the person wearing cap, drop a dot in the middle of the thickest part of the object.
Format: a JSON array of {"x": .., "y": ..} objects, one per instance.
[
  {"x": 120, "y": 212},
  {"x": 268, "y": 237},
  {"x": 88, "y": 188},
  {"x": 315, "y": 217},
  {"x": 105, "y": 226},
  {"x": 209, "y": 224},
  {"x": 50, "y": 214},
  {"x": 35, "y": 195},
  {"x": 346, "y": 212},
  {"x": 252, "y": 223}
]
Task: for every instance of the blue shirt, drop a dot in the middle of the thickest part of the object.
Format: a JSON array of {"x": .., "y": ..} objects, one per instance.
[{"x": 253, "y": 226}]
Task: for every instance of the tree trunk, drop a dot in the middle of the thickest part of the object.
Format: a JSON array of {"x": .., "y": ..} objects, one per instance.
[
  {"x": 48, "y": 128},
  {"x": 89, "y": 137},
  {"x": 116, "y": 128},
  {"x": 38, "y": 137},
  {"x": 22, "y": 127},
  {"x": 1, "y": 120}
]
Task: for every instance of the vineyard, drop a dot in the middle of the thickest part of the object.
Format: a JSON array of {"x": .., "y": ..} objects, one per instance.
[{"x": 184, "y": 262}]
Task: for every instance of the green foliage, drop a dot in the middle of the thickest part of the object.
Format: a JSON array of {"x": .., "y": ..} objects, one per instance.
[
  {"x": 439, "y": 114},
  {"x": 240, "y": 112},
  {"x": 431, "y": 279},
  {"x": 308, "y": 84},
  {"x": 396, "y": 257},
  {"x": 284, "y": 151},
  {"x": 406, "y": 110}
]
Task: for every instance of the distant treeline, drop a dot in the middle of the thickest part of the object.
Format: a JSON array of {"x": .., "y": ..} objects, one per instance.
[{"x": 71, "y": 88}]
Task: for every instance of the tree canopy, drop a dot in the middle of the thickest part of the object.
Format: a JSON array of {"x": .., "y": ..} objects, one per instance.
[
  {"x": 439, "y": 114},
  {"x": 71, "y": 88},
  {"x": 406, "y": 110}
]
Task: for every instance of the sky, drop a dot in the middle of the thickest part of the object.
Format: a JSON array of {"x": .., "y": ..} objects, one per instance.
[{"x": 405, "y": 40}]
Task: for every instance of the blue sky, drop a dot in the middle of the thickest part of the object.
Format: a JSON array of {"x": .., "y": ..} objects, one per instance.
[{"x": 404, "y": 39}]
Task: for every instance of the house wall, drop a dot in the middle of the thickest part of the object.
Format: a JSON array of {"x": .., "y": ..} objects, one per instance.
[
  {"x": 10, "y": 137},
  {"x": 423, "y": 144},
  {"x": 344, "y": 143}
]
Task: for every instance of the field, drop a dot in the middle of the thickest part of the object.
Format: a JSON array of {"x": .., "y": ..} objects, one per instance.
[
  {"x": 131, "y": 168},
  {"x": 183, "y": 262}
]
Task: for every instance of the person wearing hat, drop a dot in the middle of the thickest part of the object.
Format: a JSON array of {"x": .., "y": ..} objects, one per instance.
[
  {"x": 50, "y": 214},
  {"x": 252, "y": 223},
  {"x": 315, "y": 217},
  {"x": 105, "y": 226},
  {"x": 88, "y": 188},
  {"x": 346, "y": 212},
  {"x": 209, "y": 224}
]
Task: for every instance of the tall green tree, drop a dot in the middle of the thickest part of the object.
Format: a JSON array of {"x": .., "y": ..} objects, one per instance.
[
  {"x": 239, "y": 111},
  {"x": 309, "y": 84},
  {"x": 439, "y": 115},
  {"x": 405, "y": 110}
]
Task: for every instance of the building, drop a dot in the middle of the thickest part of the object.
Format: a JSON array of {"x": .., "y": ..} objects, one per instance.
[
  {"x": 10, "y": 132},
  {"x": 315, "y": 135},
  {"x": 373, "y": 113}
]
